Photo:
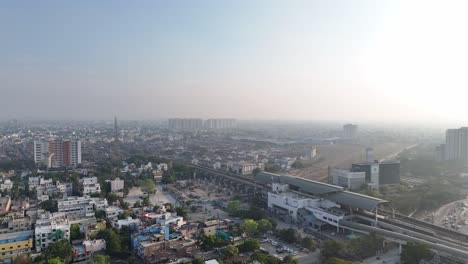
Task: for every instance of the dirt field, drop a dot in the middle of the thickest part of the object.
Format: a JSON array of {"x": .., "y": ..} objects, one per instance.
[{"x": 342, "y": 156}]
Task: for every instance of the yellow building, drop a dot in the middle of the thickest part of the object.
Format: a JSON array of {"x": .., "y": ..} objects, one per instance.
[{"x": 13, "y": 244}]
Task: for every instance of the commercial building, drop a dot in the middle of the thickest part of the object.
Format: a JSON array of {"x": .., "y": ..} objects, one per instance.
[
  {"x": 350, "y": 131},
  {"x": 312, "y": 203},
  {"x": 15, "y": 243},
  {"x": 379, "y": 173},
  {"x": 456, "y": 144},
  {"x": 345, "y": 178},
  {"x": 57, "y": 153},
  {"x": 185, "y": 123}
]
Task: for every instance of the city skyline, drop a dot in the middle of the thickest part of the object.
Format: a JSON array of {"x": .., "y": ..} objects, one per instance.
[{"x": 311, "y": 60}]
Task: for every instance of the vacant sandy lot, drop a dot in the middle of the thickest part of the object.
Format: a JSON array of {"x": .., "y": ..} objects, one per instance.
[{"x": 342, "y": 156}]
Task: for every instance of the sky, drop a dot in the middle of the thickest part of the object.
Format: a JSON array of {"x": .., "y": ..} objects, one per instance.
[{"x": 393, "y": 61}]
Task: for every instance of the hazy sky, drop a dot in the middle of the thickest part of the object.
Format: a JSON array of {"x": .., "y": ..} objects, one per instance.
[{"x": 314, "y": 60}]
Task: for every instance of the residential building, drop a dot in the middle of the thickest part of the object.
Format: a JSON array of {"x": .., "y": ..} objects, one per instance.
[
  {"x": 127, "y": 222},
  {"x": 117, "y": 185},
  {"x": 6, "y": 185},
  {"x": 225, "y": 123},
  {"x": 15, "y": 243},
  {"x": 57, "y": 153},
  {"x": 95, "y": 245},
  {"x": 185, "y": 123},
  {"x": 5, "y": 205},
  {"x": 113, "y": 212},
  {"x": 48, "y": 231},
  {"x": 350, "y": 131},
  {"x": 456, "y": 144},
  {"x": 81, "y": 206}
]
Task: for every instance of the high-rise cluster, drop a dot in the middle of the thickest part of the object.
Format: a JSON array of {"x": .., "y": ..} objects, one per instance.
[
  {"x": 198, "y": 123},
  {"x": 57, "y": 153}
]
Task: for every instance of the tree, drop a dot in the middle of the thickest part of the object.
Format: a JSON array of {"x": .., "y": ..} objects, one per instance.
[
  {"x": 290, "y": 260},
  {"x": 146, "y": 202},
  {"x": 233, "y": 207},
  {"x": 198, "y": 261},
  {"x": 288, "y": 235},
  {"x": 250, "y": 227},
  {"x": 250, "y": 245},
  {"x": 332, "y": 248},
  {"x": 148, "y": 186},
  {"x": 264, "y": 226},
  {"x": 101, "y": 259},
  {"x": 100, "y": 214},
  {"x": 415, "y": 252},
  {"x": 50, "y": 205},
  {"x": 61, "y": 249},
  {"x": 75, "y": 232},
  {"x": 231, "y": 251},
  {"x": 181, "y": 211},
  {"x": 334, "y": 260},
  {"x": 55, "y": 260},
  {"x": 308, "y": 243},
  {"x": 113, "y": 246}
]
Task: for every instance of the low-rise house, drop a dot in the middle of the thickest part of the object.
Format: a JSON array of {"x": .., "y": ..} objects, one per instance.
[{"x": 95, "y": 245}]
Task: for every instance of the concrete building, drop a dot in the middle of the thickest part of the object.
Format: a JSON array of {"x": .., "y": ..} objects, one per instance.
[
  {"x": 350, "y": 131},
  {"x": 5, "y": 205},
  {"x": 243, "y": 168},
  {"x": 113, "y": 212},
  {"x": 345, "y": 178},
  {"x": 15, "y": 243},
  {"x": 48, "y": 231},
  {"x": 95, "y": 245},
  {"x": 127, "y": 222},
  {"x": 379, "y": 173},
  {"x": 80, "y": 206},
  {"x": 456, "y": 144},
  {"x": 288, "y": 204},
  {"x": 220, "y": 123},
  {"x": 90, "y": 185},
  {"x": 117, "y": 185},
  {"x": 57, "y": 153},
  {"x": 185, "y": 123},
  {"x": 6, "y": 185},
  {"x": 311, "y": 153}
]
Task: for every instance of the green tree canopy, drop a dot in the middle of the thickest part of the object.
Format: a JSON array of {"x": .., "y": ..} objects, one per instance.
[
  {"x": 75, "y": 232},
  {"x": 250, "y": 245},
  {"x": 415, "y": 252},
  {"x": 101, "y": 259},
  {"x": 308, "y": 243},
  {"x": 334, "y": 260},
  {"x": 250, "y": 227},
  {"x": 148, "y": 186},
  {"x": 332, "y": 248},
  {"x": 264, "y": 226},
  {"x": 55, "y": 260},
  {"x": 290, "y": 260},
  {"x": 231, "y": 251},
  {"x": 233, "y": 207},
  {"x": 61, "y": 249}
]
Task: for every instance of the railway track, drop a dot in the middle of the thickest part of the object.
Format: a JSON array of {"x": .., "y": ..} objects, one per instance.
[{"x": 438, "y": 230}]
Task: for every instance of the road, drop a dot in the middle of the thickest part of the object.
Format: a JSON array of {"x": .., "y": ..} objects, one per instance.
[{"x": 393, "y": 155}]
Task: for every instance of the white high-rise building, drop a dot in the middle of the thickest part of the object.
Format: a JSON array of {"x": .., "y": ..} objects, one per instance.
[{"x": 456, "y": 144}]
